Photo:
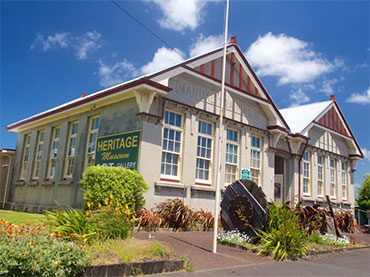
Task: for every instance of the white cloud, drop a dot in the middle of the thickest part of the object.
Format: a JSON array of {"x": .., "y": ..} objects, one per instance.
[
  {"x": 288, "y": 58},
  {"x": 327, "y": 85},
  {"x": 87, "y": 43},
  {"x": 114, "y": 74},
  {"x": 360, "y": 98},
  {"x": 298, "y": 97},
  {"x": 366, "y": 153},
  {"x": 163, "y": 58},
  {"x": 204, "y": 44},
  {"x": 61, "y": 40},
  {"x": 82, "y": 45},
  {"x": 179, "y": 15}
]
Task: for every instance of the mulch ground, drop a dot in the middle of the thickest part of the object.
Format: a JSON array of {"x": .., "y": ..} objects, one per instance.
[{"x": 197, "y": 245}]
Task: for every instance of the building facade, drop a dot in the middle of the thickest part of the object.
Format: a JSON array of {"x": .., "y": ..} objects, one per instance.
[{"x": 166, "y": 126}]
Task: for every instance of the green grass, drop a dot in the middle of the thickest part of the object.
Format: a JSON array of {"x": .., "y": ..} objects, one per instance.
[
  {"x": 130, "y": 250},
  {"x": 22, "y": 218}
]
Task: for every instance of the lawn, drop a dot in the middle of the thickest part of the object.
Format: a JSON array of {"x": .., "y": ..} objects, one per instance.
[
  {"x": 130, "y": 250},
  {"x": 22, "y": 218}
]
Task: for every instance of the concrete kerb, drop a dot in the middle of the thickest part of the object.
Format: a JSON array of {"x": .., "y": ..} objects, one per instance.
[{"x": 137, "y": 268}]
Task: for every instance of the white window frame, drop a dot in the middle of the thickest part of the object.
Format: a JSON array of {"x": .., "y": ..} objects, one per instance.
[
  {"x": 320, "y": 181},
  {"x": 25, "y": 156},
  {"x": 333, "y": 178},
  {"x": 170, "y": 153},
  {"x": 38, "y": 154},
  {"x": 54, "y": 145},
  {"x": 92, "y": 135},
  {"x": 306, "y": 173},
  {"x": 70, "y": 151},
  {"x": 200, "y": 158},
  {"x": 256, "y": 172},
  {"x": 344, "y": 180},
  {"x": 231, "y": 166}
]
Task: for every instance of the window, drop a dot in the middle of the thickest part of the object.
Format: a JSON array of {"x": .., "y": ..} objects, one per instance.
[
  {"x": 256, "y": 159},
  {"x": 320, "y": 175},
  {"x": 26, "y": 153},
  {"x": 333, "y": 177},
  {"x": 204, "y": 151},
  {"x": 39, "y": 150},
  {"x": 306, "y": 172},
  {"x": 344, "y": 179},
  {"x": 232, "y": 149},
  {"x": 71, "y": 149},
  {"x": 171, "y": 144},
  {"x": 91, "y": 141},
  {"x": 53, "y": 152}
]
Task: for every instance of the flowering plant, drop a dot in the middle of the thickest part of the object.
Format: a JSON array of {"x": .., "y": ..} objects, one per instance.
[
  {"x": 233, "y": 236},
  {"x": 27, "y": 250}
]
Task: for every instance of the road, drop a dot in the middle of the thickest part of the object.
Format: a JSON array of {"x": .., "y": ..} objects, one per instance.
[{"x": 351, "y": 263}]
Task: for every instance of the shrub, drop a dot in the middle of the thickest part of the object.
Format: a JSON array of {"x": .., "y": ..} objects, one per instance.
[
  {"x": 284, "y": 237},
  {"x": 110, "y": 224},
  {"x": 177, "y": 215},
  {"x": 99, "y": 182},
  {"x": 206, "y": 220},
  {"x": 149, "y": 219},
  {"x": 106, "y": 222},
  {"x": 71, "y": 223},
  {"x": 30, "y": 251}
]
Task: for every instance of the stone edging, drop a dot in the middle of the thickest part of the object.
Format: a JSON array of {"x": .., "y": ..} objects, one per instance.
[
  {"x": 308, "y": 253},
  {"x": 335, "y": 250},
  {"x": 137, "y": 268}
]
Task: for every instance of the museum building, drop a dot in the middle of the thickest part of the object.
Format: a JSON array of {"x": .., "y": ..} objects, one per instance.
[{"x": 166, "y": 126}]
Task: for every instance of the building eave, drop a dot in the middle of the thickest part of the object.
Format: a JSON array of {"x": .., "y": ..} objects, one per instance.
[{"x": 137, "y": 84}]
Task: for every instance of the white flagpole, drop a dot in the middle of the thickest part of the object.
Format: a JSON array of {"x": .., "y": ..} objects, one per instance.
[{"x": 221, "y": 131}]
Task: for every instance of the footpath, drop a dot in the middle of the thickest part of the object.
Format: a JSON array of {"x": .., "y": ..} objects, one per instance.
[{"x": 197, "y": 246}]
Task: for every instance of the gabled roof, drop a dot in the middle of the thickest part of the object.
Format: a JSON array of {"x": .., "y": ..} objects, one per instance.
[
  {"x": 299, "y": 117},
  {"x": 154, "y": 79},
  {"x": 326, "y": 115}
]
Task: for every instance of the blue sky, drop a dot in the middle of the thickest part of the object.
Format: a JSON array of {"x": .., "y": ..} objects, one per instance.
[{"x": 303, "y": 51}]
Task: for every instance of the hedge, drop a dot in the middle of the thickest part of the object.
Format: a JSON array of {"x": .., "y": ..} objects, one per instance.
[{"x": 100, "y": 183}]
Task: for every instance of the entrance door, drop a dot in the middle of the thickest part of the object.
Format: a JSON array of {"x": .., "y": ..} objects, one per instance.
[{"x": 279, "y": 180}]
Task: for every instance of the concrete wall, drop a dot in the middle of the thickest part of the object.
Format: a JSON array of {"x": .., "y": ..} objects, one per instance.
[{"x": 35, "y": 195}]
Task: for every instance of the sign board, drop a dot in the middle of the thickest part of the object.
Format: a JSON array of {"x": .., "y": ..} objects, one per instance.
[
  {"x": 118, "y": 150},
  {"x": 246, "y": 174}
]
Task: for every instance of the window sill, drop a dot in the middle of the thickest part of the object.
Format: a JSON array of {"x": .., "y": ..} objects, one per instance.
[
  {"x": 202, "y": 183},
  {"x": 33, "y": 183},
  {"x": 168, "y": 184},
  {"x": 203, "y": 187},
  {"x": 308, "y": 197},
  {"x": 48, "y": 182},
  {"x": 66, "y": 182},
  {"x": 169, "y": 180},
  {"x": 20, "y": 183}
]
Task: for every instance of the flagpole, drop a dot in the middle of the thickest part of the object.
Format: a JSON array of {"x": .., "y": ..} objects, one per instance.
[{"x": 221, "y": 131}]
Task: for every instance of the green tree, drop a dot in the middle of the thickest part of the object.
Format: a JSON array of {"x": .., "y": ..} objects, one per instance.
[{"x": 363, "y": 198}]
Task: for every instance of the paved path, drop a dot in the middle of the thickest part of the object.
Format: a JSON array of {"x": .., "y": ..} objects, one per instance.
[
  {"x": 351, "y": 263},
  {"x": 198, "y": 247}
]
